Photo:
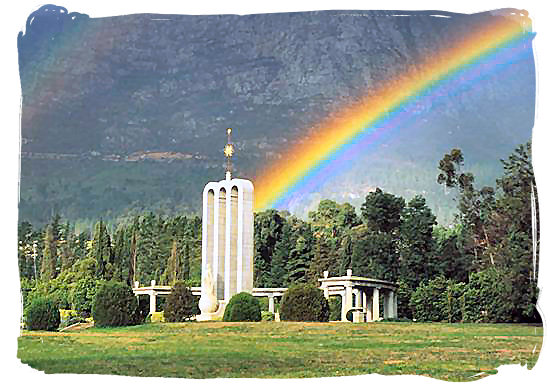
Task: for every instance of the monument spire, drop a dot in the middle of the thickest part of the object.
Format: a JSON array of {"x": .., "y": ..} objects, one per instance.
[{"x": 228, "y": 151}]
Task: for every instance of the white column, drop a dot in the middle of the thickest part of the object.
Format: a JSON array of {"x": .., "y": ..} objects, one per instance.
[
  {"x": 386, "y": 299},
  {"x": 375, "y": 304},
  {"x": 349, "y": 299},
  {"x": 325, "y": 290},
  {"x": 229, "y": 223},
  {"x": 394, "y": 304},
  {"x": 359, "y": 297},
  {"x": 152, "y": 302},
  {"x": 271, "y": 304},
  {"x": 391, "y": 305},
  {"x": 216, "y": 246},
  {"x": 364, "y": 300},
  {"x": 343, "y": 312},
  {"x": 369, "y": 308}
]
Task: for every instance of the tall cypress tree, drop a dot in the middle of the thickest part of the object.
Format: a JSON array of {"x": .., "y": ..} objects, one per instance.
[
  {"x": 186, "y": 262},
  {"x": 132, "y": 259},
  {"x": 173, "y": 265},
  {"x": 49, "y": 259},
  {"x": 101, "y": 249}
]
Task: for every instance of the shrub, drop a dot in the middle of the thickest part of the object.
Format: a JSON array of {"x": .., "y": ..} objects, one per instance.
[
  {"x": 82, "y": 295},
  {"x": 268, "y": 316},
  {"x": 429, "y": 300},
  {"x": 264, "y": 303},
  {"x": 181, "y": 304},
  {"x": 115, "y": 304},
  {"x": 42, "y": 314},
  {"x": 438, "y": 300},
  {"x": 486, "y": 298},
  {"x": 242, "y": 307},
  {"x": 56, "y": 290},
  {"x": 404, "y": 293},
  {"x": 304, "y": 303}
]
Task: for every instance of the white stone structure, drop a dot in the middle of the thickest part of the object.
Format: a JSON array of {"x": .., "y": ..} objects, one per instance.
[
  {"x": 152, "y": 291},
  {"x": 362, "y": 295},
  {"x": 228, "y": 236}
]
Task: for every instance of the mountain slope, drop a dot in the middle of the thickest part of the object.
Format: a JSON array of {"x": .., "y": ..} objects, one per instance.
[{"x": 97, "y": 91}]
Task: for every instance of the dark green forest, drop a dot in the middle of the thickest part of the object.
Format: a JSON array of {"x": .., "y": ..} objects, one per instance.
[{"x": 482, "y": 268}]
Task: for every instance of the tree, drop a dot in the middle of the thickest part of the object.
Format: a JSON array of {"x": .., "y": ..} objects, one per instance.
[
  {"x": 416, "y": 242},
  {"x": 374, "y": 252},
  {"x": 49, "y": 261},
  {"x": 325, "y": 258},
  {"x": 501, "y": 228},
  {"x": 301, "y": 251},
  {"x": 181, "y": 304},
  {"x": 450, "y": 258},
  {"x": 515, "y": 223},
  {"x": 115, "y": 304},
  {"x": 101, "y": 249},
  {"x": 42, "y": 314},
  {"x": 331, "y": 219},
  {"x": 304, "y": 303},
  {"x": 27, "y": 250},
  {"x": 243, "y": 307},
  {"x": 173, "y": 266},
  {"x": 267, "y": 232},
  {"x": 474, "y": 206},
  {"x": 119, "y": 253},
  {"x": 382, "y": 211},
  {"x": 281, "y": 255},
  {"x": 330, "y": 223},
  {"x": 374, "y": 256},
  {"x": 186, "y": 274}
]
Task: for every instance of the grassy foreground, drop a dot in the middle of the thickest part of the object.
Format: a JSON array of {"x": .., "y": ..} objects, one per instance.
[{"x": 284, "y": 349}]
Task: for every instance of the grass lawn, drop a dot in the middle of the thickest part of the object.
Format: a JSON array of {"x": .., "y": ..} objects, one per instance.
[{"x": 284, "y": 349}]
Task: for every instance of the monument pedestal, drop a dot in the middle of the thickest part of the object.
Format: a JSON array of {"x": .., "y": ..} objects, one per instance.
[{"x": 217, "y": 315}]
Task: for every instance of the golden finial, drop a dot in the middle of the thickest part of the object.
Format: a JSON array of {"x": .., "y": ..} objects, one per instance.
[{"x": 228, "y": 151}]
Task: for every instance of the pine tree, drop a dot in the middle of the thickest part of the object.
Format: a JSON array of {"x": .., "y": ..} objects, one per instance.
[
  {"x": 101, "y": 250},
  {"x": 173, "y": 265},
  {"x": 132, "y": 260},
  {"x": 416, "y": 242},
  {"x": 49, "y": 260},
  {"x": 119, "y": 253},
  {"x": 66, "y": 244},
  {"x": 186, "y": 263},
  {"x": 301, "y": 252},
  {"x": 267, "y": 232},
  {"x": 280, "y": 257}
]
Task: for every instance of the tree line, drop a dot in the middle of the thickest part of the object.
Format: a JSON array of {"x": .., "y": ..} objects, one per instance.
[
  {"x": 490, "y": 251},
  {"x": 482, "y": 268}
]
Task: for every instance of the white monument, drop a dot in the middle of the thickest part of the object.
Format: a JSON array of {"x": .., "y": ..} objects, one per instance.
[{"x": 227, "y": 238}]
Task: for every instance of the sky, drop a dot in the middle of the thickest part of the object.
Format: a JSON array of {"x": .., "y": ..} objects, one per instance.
[{"x": 15, "y": 17}]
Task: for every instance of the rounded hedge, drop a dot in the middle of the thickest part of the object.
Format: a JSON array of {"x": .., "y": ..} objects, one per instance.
[
  {"x": 242, "y": 307},
  {"x": 181, "y": 304},
  {"x": 115, "y": 304},
  {"x": 304, "y": 303},
  {"x": 42, "y": 314}
]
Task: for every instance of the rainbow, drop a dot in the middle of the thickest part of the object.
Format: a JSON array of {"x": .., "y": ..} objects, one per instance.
[{"x": 340, "y": 138}]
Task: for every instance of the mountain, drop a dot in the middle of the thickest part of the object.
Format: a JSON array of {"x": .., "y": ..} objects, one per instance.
[{"x": 128, "y": 113}]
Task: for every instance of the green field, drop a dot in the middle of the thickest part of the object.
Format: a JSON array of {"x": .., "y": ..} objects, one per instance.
[{"x": 285, "y": 349}]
